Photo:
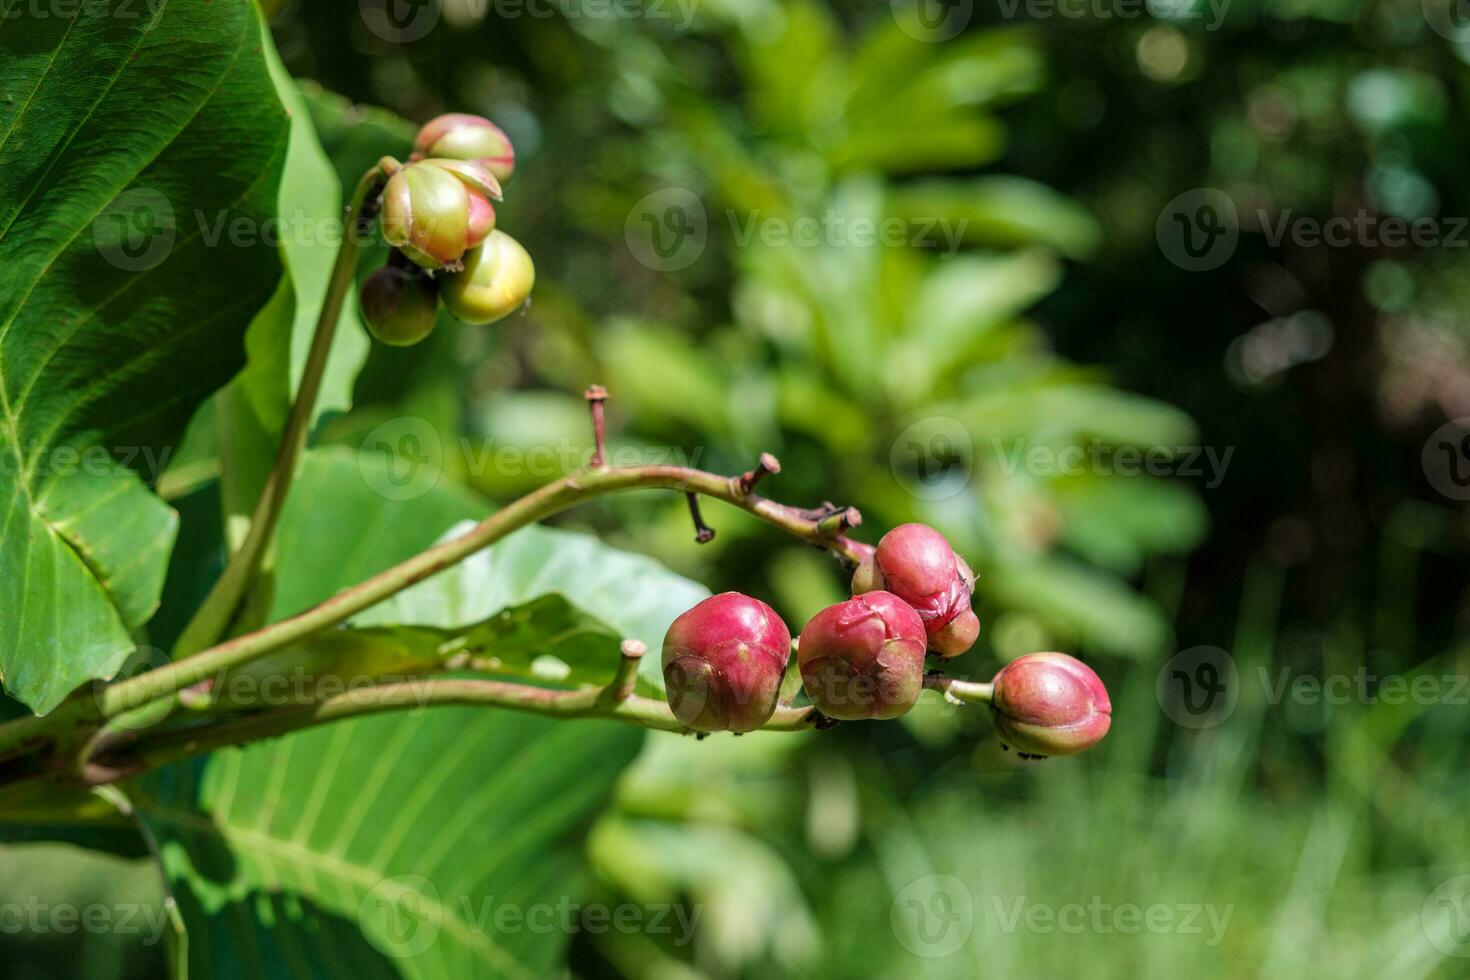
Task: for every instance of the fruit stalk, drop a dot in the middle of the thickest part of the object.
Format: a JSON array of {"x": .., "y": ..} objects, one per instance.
[{"x": 213, "y": 618}]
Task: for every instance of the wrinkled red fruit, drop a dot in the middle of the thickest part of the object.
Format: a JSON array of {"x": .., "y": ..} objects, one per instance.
[
  {"x": 916, "y": 563},
  {"x": 1050, "y": 704},
  {"x": 863, "y": 658},
  {"x": 723, "y": 661}
]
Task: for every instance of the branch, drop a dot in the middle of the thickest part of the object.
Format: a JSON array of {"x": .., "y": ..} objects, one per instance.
[
  {"x": 213, "y": 618},
  {"x": 607, "y": 702}
]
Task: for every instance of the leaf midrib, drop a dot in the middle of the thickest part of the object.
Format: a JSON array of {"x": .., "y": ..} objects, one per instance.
[{"x": 360, "y": 876}]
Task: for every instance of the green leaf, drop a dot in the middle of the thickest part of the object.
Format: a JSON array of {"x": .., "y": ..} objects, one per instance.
[
  {"x": 409, "y": 824},
  {"x": 72, "y": 912},
  {"x": 125, "y": 144},
  {"x": 607, "y": 594},
  {"x": 311, "y": 212}
]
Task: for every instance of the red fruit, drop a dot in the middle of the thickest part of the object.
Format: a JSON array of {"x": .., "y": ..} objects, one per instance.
[
  {"x": 1046, "y": 704},
  {"x": 863, "y": 658},
  {"x": 723, "y": 661},
  {"x": 916, "y": 563}
]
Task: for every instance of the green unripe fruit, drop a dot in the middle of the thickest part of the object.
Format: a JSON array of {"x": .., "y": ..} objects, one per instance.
[
  {"x": 496, "y": 281},
  {"x": 399, "y": 305}
]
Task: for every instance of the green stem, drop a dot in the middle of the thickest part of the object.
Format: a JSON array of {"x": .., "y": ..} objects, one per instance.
[
  {"x": 972, "y": 692},
  {"x": 171, "y": 746},
  {"x": 213, "y": 618},
  {"x": 538, "y": 505}
]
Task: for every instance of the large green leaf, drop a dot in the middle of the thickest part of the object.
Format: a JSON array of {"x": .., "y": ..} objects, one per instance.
[
  {"x": 129, "y": 147},
  {"x": 411, "y": 825}
]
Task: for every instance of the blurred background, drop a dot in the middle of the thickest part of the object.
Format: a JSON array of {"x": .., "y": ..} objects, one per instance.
[
  {"x": 1159, "y": 310},
  {"x": 1097, "y": 343}
]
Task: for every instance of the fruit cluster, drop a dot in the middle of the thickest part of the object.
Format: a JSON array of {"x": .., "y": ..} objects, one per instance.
[
  {"x": 439, "y": 216},
  {"x": 724, "y": 659}
]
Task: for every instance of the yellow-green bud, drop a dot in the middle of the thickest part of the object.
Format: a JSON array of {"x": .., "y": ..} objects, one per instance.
[{"x": 496, "y": 281}]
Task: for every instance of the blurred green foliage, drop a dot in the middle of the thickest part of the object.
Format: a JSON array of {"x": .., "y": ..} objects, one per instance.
[{"x": 909, "y": 380}]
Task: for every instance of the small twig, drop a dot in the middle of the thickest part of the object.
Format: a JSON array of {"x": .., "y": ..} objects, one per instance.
[
  {"x": 596, "y": 401},
  {"x": 620, "y": 688},
  {"x": 956, "y": 691},
  {"x": 768, "y": 464},
  {"x": 171, "y": 745},
  {"x": 703, "y": 533},
  {"x": 839, "y": 522}
]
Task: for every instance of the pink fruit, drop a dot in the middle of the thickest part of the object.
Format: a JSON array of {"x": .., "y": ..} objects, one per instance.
[
  {"x": 723, "y": 661},
  {"x": 863, "y": 658}
]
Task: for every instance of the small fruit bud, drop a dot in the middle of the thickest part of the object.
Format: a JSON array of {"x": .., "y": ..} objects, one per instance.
[
  {"x": 460, "y": 136},
  {"x": 426, "y": 214},
  {"x": 863, "y": 658},
  {"x": 399, "y": 305},
  {"x": 916, "y": 563},
  {"x": 496, "y": 280},
  {"x": 1046, "y": 704},
  {"x": 723, "y": 661}
]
